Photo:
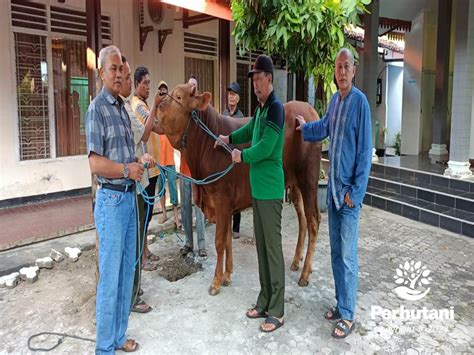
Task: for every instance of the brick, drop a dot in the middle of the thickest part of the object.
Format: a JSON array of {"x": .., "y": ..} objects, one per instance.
[
  {"x": 45, "y": 263},
  {"x": 56, "y": 255},
  {"x": 72, "y": 253}
]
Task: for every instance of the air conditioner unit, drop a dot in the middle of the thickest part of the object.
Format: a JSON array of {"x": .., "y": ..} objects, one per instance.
[{"x": 156, "y": 14}]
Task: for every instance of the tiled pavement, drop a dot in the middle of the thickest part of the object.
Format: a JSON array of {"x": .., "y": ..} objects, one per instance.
[
  {"x": 40, "y": 221},
  {"x": 186, "y": 320}
]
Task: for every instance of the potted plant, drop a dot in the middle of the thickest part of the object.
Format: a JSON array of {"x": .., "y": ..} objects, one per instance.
[{"x": 322, "y": 191}]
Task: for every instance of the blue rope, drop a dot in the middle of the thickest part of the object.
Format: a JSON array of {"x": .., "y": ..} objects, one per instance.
[{"x": 150, "y": 200}]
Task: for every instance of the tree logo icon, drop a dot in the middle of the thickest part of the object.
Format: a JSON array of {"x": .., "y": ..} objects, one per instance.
[{"x": 411, "y": 276}]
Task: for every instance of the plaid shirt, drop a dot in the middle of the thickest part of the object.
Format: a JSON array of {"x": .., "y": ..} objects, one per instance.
[{"x": 109, "y": 133}]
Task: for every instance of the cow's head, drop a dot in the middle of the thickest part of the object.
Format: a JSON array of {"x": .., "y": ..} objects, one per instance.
[{"x": 174, "y": 111}]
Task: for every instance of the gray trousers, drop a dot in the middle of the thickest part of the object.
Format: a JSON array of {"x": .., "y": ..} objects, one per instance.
[{"x": 187, "y": 217}]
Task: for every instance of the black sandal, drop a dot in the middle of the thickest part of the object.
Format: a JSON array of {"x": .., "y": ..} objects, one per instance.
[
  {"x": 185, "y": 250},
  {"x": 260, "y": 314},
  {"x": 343, "y": 327},
  {"x": 274, "y": 321},
  {"x": 332, "y": 314}
]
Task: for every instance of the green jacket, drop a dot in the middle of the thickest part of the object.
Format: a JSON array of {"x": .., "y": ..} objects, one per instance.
[{"x": 266, "y": 131}]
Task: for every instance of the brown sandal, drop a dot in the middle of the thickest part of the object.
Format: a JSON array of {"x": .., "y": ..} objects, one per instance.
[
  {"x": 129, "y": 347},
  {"x": 153, "y": 257},
  {"x": 141, "y": 307},
  {"x": 149, "y": 266}
]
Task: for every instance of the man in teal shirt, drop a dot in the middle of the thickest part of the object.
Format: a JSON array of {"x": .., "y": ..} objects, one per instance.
[{"x": 266, "y": 132}]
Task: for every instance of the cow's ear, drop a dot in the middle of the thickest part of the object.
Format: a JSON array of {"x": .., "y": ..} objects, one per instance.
[{"x": 203, "y": 101}]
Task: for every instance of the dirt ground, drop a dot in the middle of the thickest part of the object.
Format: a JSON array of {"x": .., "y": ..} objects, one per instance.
[
  {"x": 186, "y": 320},
  {"x": 63, "y": 298}
]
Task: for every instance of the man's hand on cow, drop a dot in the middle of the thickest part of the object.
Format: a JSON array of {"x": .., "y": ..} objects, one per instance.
[
  {"x": 301, "y": 122},
  {"x": 135, "y": 171},
  {"x": 236, "y": 156},
  {"x": 148, "y": 160},
  {"x": 348, "y": 201},
  {"x": 222, "y": 138}
]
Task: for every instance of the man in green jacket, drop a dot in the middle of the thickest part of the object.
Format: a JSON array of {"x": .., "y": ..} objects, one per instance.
[{"x": 265, "y": 131}]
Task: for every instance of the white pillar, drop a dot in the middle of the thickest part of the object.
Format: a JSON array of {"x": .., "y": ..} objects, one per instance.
[{"x": 462, "y": 107}]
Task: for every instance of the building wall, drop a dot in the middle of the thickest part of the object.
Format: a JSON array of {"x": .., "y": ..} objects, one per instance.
[
  {"x": 412, "y": 75},
  {"x": 380, "y": 109},
  {"x": 37, "y": 177},
  {"x": 428, "y": 77},
  {"x": 394, "y": 102}
]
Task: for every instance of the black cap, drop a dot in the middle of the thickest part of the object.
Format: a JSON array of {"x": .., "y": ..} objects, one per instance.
[
  {"x": 263, "y": 63},
  {"x": 235, "y": 87}
]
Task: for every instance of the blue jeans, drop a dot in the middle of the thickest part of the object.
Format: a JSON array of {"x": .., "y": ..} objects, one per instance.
[
  {"x": 171, "y": 177},
  {"x": 343, "y": 236},
  {"x": 115, "y": 221},
  {"x": 187, "y": 217}
]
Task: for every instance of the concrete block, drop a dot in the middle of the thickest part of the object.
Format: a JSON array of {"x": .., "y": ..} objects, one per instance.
[
  {"x": 151, "y": 238},
  {"x": 29, "y": 274},
  {"x": 45, "y": 263},
  {"x": 10, "y": 281},
  {"x": 56, "y": 255},
  {"x": 72, "y": 253}
]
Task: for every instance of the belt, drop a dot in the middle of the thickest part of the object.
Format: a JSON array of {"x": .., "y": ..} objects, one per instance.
[{"x": 121, "y": 188}]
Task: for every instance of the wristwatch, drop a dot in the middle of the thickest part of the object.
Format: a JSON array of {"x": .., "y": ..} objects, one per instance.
[{"x": 125, "y": 171}]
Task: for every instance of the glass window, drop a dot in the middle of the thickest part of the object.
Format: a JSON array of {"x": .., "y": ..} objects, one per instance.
[
  {"x": 71, "y": 98},
  {"x": 32, "y": 96}
]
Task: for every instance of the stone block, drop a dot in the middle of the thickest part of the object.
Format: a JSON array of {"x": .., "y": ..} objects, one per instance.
[
  {"x": 10, "y": 281},
  {"x": 151, "y": 238},
  {"x": 45, "y": 263},
  {"x": 56, "y": 255},
  {"x": 29, "y": 274},
  {"x": 72, "y": 253}
]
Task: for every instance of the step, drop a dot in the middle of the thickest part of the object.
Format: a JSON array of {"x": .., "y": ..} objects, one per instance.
[
  {"x": 427, "y": 197},
  {"x": 431, "y": 193},
  {"x": 452, "y": 219},
  {"x": 421, "y": 179}
]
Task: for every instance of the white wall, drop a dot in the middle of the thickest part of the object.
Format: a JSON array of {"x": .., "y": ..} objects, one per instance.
[
  {"x": 380, "y": 109},
  {"x": 394, "y": 101},
  {"x": 29, "y": 178},
  {"x": 411, "y": 116}
]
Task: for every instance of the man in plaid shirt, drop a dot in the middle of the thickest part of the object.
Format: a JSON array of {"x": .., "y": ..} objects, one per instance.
[{"x": 111, "y": 155}]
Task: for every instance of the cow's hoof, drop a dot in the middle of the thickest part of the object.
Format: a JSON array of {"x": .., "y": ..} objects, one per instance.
[
  {"x": 213, "y": 291},
  {"x": 294, "y": 267},
  {"x": 226, "y": 283},
  {"x": 303, "y": 283}
]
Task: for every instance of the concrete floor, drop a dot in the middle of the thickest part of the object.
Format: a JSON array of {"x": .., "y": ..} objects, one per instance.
[{"x": 186, "y": 320}]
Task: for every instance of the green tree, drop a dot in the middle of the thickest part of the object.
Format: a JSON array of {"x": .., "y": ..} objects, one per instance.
[{"x": 308, "y": 33}]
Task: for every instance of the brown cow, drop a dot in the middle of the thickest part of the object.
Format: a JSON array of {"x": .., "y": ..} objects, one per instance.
[{"x": 231, "y": 194}]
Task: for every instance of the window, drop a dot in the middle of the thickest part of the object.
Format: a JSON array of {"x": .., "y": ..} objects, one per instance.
[
  {"x": 71, "y": 97},
  {"x": 203, "y": 70},
  {"x": 32, "y": 96},
  {"x": 40, "y": 28},
  {"x": 201, "y": 61}
]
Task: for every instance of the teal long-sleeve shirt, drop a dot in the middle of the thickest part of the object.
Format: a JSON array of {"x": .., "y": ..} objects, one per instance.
[
  {"x": 266, "y": 131},
  {"x": 348, "y": 124}
]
